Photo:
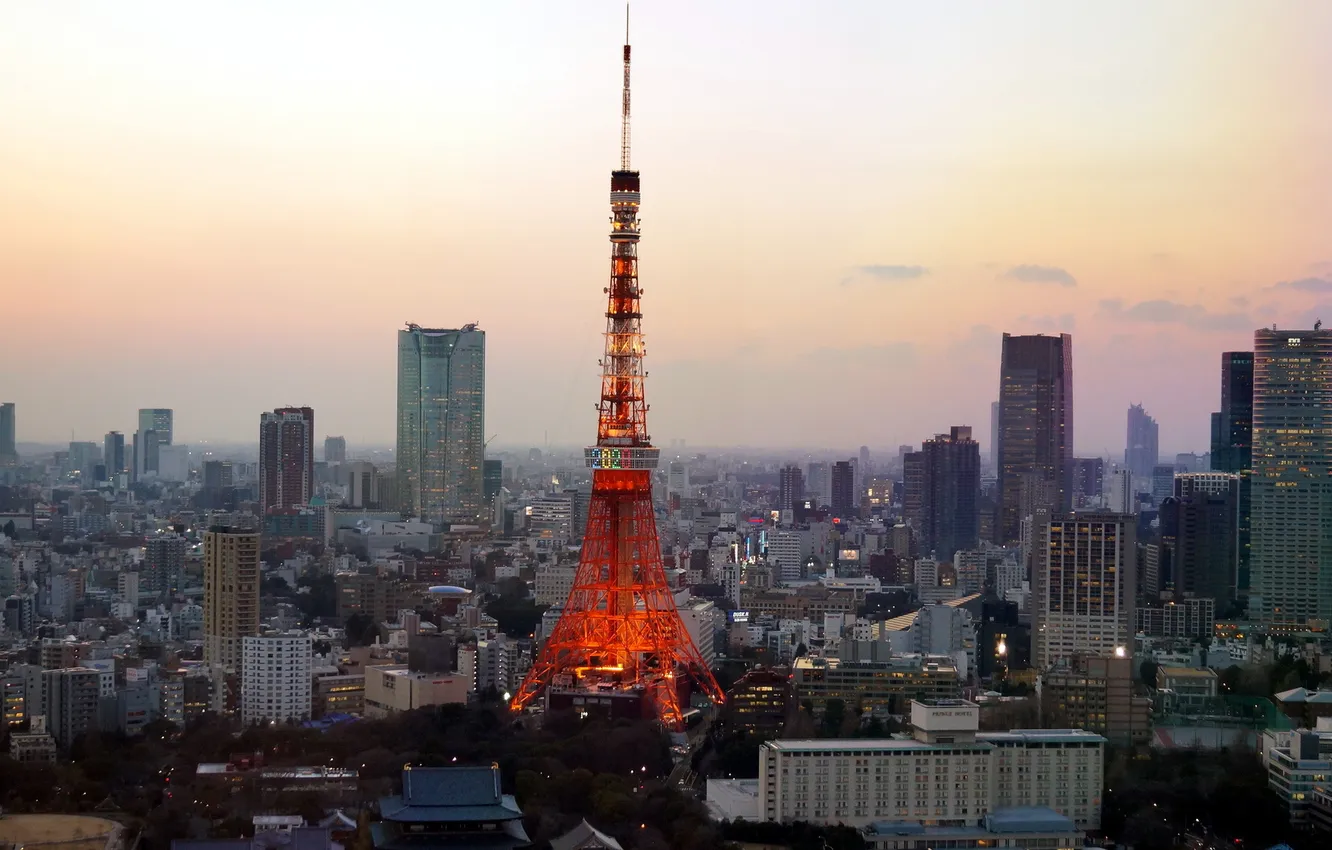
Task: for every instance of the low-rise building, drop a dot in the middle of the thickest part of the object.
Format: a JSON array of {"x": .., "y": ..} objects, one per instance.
[
  {"x": 1186, "y": 688},
  {"x": 35, "y": 745},
  {"x": 1298, "y": 763},
  {"x": 878, "y": 687},
  {"x": 337, "y": 693},
  {"x": 393, "y": 688},
  {"x": 945, "y": 775},
  {"x": 1098, "y": 694}
]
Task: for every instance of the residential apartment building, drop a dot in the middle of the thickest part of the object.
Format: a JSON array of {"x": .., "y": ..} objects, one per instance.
[
  {"x": 553, "y": 583},
  {"x": 1084, "y": 569},
  {"x": 276, "y": 678},
  {"x": 1098, "y": 694},
  {"x": 231, "y": 594},
  {"x": 1291, "y": 547},
  {"x": 947, "y": 774},
  {"x": 72, "y": 697},
  {"x": 286, "y": 459}
]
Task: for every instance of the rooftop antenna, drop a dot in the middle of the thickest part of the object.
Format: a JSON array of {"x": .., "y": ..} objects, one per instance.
[{"x": 624, "y": 102}]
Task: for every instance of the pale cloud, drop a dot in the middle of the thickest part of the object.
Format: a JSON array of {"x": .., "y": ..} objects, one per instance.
[
  {"x": 1305, "y": 284},
  {"x": 1160, "y": 311},
  {"x": 1041, "y": 274},
  {"x": 886, "y": 273},
  {"x": 1062, "y": 323}
]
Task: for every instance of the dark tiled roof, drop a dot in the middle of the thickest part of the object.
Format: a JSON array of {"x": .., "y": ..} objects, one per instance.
[
  {"x": 584, "y": 835},
  {"x": 452, "y": 786},
  {"x": 450, "y": 794}
]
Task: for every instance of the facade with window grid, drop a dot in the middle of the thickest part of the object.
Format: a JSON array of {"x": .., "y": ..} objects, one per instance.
[{"x": 945, "y": 775}]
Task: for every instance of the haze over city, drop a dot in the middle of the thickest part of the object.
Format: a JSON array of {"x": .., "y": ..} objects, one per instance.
[{"x": 223, "y": 210}]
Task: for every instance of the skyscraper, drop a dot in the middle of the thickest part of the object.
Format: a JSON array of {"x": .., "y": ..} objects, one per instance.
[
  {"x": 441, "y": 422},
  {"x": 950, "y": 489},
  {"x": 1232, "y": 446},
  {"x": 994, "y": 434},
  {"x": 8, "y": 447},
  {"x": 790, "y": 487},
  {"x": 147, "y": 454},
  {"x": 1198, "y": 526},
  {"x": 1291, "y": 507},
  {"x": 113, "y": 453},
  {"x": 286, "y": 458},
  {"x": 159, "y": 419},
  {"x": 843, "y": 488},
  {"x": 335, "y": 449},
  {"x": 1142, "y": 446},
  {"x": 1088, "y": 481},
  {"x": 1083, "y": 587},
  {"x": 492, "y": 480},
  {"x": 231, "y": 594},
  {"x": 818, "y": 483},
  {"x": 1035, "y": 423},
  {"x": 163, "y": 565},
  {"x": 1232, "y": 426}
]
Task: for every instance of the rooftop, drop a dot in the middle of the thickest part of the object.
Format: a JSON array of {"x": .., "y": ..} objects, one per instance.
[
  {"x": 450, "y": 795},
  {"x": 1188, "y": 673}
]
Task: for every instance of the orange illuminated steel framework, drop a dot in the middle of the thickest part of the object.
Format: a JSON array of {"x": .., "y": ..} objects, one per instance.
[{"x": 620, "y": 629}]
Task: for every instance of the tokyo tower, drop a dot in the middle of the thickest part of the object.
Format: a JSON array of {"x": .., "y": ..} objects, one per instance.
[{"x": 620, "y": 633}]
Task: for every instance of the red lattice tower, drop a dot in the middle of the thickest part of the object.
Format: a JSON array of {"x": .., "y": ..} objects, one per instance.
[{"x": 620, "y": 626}]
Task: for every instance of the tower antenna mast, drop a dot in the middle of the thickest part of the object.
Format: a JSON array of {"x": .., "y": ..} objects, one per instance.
[{"x": 624, "y": 100}]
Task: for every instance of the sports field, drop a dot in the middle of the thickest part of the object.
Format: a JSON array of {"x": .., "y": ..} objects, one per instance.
[{"x": 63, "y": 832}]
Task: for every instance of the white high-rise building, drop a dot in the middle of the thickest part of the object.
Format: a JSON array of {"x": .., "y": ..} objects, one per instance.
[
  {"x": 788, "y": 549},
  {"x": 1083, "y": 587},
  {"x": 703, "y": 620},
  {"x": 276, "y": 678}
]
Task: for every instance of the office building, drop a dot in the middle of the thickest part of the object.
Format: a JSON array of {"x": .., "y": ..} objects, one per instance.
[
  {"x": 758, "y": 703},
  {"x": 286, "y": 459},
  {"x": 949, "y": 492},
  {"x": 1163, "y": 482},
  {"x": 880, "y": 687},
  {"x": 1096, "y": 693},
  {"x": 390, "y": 689},
  {"x": 147, "y": 454},
  {"x": 335, "y": 450},
  {"x": 441, "y": 423},
  {"x": 276, "y": 678},
  {"x": 843, "y": 488},
  {"x": 8, "y": 431},
  {"x": 1232, "y": 446},
  {"x": 362, "y": 481},
  {"x": 113, "y": 453},
  {"x": 1142, "y": 447},
  {"x": 1088, "y": 482},
  {"x": 1232, "y": 425},
  {"x": 945, "y": 775},
  {"x": 163, "y": 565},
  {"x": 1123, "y": 498},
  {"x": 1035, "y": 423},
  {"x": 553, "y": 583},
  {"x": 492, "y": 479},
  {"x": 790, "y": 487},
  {"x": 158, "y": 419},
  {"x": 1199, "y": 527},
  {"x": 1084, "y": 569},
  {"x": 231, "y": 594},
  {"x": 818, "y": 483},
  {"x": 1291, "y": 490}
]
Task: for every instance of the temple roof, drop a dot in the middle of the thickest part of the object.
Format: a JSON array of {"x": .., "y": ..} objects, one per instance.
[{"x": 450, "y": 795}]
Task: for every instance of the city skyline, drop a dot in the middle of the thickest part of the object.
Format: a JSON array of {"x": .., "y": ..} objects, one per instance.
[{"x": 1010, "y": 176}]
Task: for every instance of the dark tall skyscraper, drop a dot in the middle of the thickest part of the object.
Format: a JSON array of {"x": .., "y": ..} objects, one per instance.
[
  {"x": 8, "y": 449},
  {"x": 1199, "y": 531},
  {"x": 1232, "y": 426},
  {"x": 492, "y": 479},
  {"x": 950, "y": 489},
  {"x": 791, "y": 487},
  {"x": 1142, "y": 449},
  {"x": 113, "y": 453},
  {"x": 843, "y": 488},
  {"x": 1035, "y": 423},
  {"x": 1088, "y": 480},
  {"x": 1232, "y": 443},
  {"x": 286, "y": 458}
]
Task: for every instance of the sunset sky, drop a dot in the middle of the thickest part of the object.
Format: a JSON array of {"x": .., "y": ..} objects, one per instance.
[{"x": 223, "y": 208}]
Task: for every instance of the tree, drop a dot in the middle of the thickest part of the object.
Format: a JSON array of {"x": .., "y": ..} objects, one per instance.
[
  {"x": 361, "y": 630},
  {"x": 1147, "y": 672}
]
